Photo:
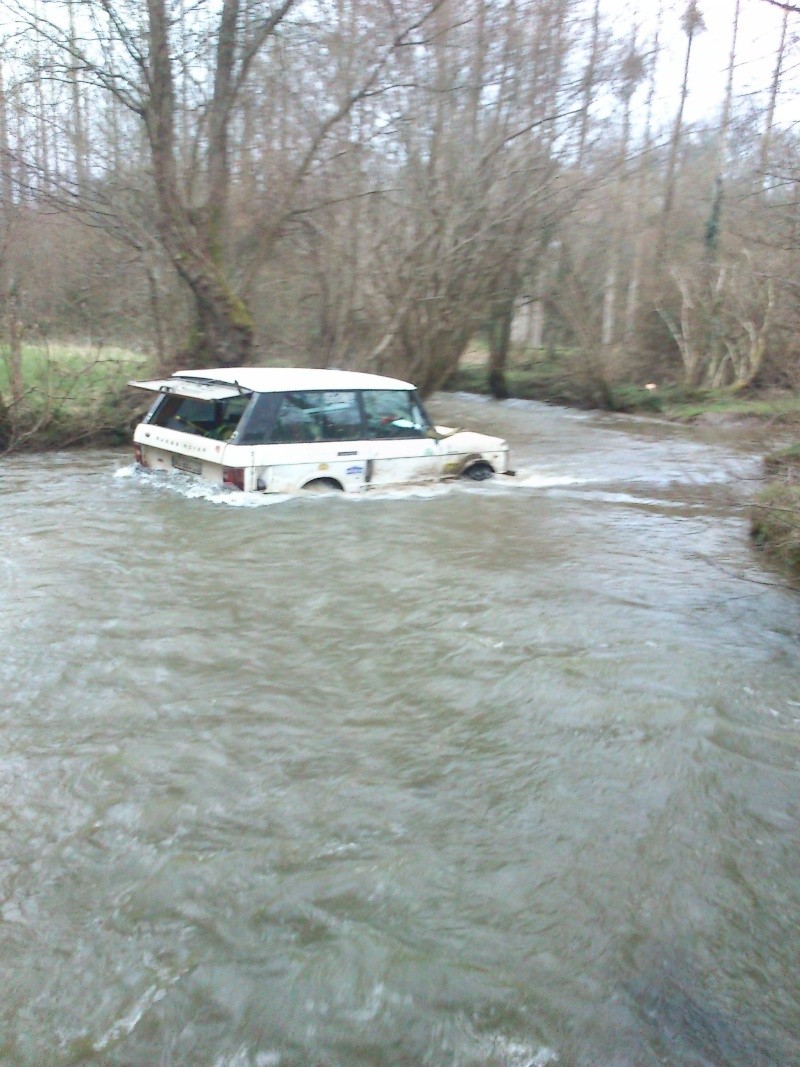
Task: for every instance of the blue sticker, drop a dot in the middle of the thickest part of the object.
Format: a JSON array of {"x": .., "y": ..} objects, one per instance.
[{"x": 355, "y": 470}]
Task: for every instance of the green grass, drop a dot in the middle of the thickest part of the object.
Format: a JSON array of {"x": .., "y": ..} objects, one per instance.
[
  {"x": 562, "y": 379},
  {"x": 768, "y": 406},
  {"x": 775, "y": 512},
  {"x": 775, "y": 523},
  {"x": 552, "y": 380},
  {"x": 72, "y": 394},
  {"x": 785, "y": 462}
]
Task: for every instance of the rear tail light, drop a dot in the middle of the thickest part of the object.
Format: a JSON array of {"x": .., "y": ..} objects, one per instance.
[
  {"x": 137, "y": 455},
  {"x": 233, "y": 476}
]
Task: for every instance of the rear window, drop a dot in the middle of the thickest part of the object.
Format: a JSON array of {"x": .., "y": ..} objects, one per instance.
[{"x": 217, "y": 419}]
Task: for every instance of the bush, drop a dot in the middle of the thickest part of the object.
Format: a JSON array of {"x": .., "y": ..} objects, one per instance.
[
  {"x": 775, "y": 514},
  {"x": 71, "y": 395}
]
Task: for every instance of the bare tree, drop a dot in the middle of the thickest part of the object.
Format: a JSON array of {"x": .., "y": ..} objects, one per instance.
[
  {"x": 769, "y": 120},
  {"x": 714, "y": 222},
  {"x": 80, "y": 147},
  {"x": 631, "y": 72},
  {"x": 641, "y": 175},
  {"x": 129, "y": 54},
  {"x": 589, "y": 80},
  {"x": 724, "y": 323},
  {"x": 692, "y": 24},
  {"x": 6, "y": 167}
]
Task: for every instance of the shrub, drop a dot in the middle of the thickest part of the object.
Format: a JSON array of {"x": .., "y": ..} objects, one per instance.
[{"x": 775, "y": 513}]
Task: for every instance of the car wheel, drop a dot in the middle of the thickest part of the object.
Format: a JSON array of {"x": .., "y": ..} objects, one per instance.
[
  {"x": 479, "y": 472},
  {"x": 323, "y": 485}
]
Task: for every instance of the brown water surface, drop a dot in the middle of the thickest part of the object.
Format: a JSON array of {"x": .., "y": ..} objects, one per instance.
[{"x": 499, "y": 774}]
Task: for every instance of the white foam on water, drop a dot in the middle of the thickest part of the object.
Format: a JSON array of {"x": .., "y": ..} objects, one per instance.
[
  {"x": 629, "y": 498},
  {"x": 504, "y": 1051},
  {"x": 184, "y": 485},
  {"x": 420, "y": 491},
  {"x": 542, "y": 480},
  {"x": 244, "y": 1058},
  {"x": 128, "y": 1022}
]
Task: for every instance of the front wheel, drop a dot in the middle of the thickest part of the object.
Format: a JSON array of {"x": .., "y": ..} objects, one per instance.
[{"x": 479, "y": 472}]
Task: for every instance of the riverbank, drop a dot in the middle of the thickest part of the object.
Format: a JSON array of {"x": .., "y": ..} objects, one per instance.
[
  {"x": 552, "y": 384},
  {"x": 63, "y": 395},
  {"x": 77, "y": 395},
  {"x": 775, "y": 511}
]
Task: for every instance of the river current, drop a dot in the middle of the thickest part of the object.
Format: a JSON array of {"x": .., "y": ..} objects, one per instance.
[{"x": 489, "y": 775}]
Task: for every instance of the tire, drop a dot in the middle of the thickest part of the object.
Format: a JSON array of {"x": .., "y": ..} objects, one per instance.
[
  {"x": 479, "y": 472},
  {"x": 323, "y": 485}
]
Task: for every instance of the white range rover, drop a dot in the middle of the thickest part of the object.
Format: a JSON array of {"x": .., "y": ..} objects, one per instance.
[{"x": 278, "y": 430}]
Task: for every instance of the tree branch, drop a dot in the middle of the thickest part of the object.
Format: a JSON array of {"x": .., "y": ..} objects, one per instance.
[{"x": 794, "y": 8}]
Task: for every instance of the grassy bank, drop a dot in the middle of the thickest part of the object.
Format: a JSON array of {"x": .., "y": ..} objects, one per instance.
[
  {"x": 68, "y": 395},
  {"x": 554, "y": 381},
  {"x": 775, "y": 513}
]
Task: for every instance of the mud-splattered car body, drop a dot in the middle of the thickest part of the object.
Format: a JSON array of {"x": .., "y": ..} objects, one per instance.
[{"x": 279, "y": 430}]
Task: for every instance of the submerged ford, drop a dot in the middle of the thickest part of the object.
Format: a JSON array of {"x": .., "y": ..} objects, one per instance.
[{"x": 279, "y": 430}]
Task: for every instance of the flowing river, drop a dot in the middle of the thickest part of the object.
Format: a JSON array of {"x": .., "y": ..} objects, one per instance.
[{"x": 488, "y": 775}]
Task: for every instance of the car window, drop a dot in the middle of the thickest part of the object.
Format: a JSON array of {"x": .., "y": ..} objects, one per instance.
[
  {"x": 206, "y": 418},
  {"x": 393, "y": 413},
  {"x": 228, "y": 415},
  {"x": 317, "y": 416},
  {"x": 256, "y": 425}
]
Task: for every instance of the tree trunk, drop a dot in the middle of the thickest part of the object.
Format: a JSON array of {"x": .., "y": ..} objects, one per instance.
[
  {"x": 6, "y": 178},
  {"x": 641, "y": 235},
  {"x": 155, "y": 311},
  {"x": 43, "y": 140},
  {"x": 766, "y": 137},
  {"x": 714, "y": 223},
  {"x": 13, "y": 325},
  {"x": 6, "y": 433},
  {"x": 589, "y": 79},
  {"x": 223, "y": 333},
  {"x": 78, "y": 125},
  {"x": 609, "y": 302},
  {"x": 499, "y": 345},
  {"x": 692, "y": 24}
]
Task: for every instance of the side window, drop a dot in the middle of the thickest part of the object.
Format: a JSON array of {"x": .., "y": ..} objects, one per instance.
[
  {"x": 318, "y": 416},
  {"x": 393, "y": 413},
  {"x": 296, "y": 420},
  {"x": 228, "y": 415},
  {"x": 341, "y": 416},
  {"x": 256, "y": 426}
]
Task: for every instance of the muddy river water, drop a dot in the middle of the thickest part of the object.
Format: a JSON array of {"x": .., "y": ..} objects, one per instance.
[{"x": 498, "y": 775}]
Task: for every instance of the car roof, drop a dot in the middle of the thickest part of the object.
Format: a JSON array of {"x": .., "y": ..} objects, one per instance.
[{"x": 288, "y": 379}]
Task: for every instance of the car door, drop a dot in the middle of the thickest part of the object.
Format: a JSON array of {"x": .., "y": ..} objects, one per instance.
[{"x": 400, "y": 443}]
